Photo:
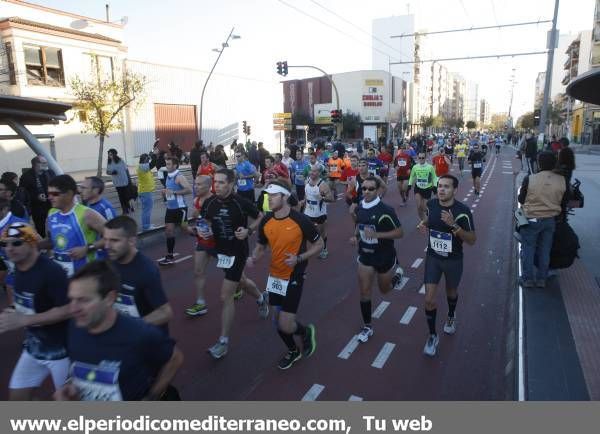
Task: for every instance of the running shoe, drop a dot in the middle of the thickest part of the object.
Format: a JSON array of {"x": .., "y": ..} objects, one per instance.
[
  {"x": 309, "y": 342},
  {"x": 365, "y": 333},
  {"x": 324, "y": 253},
  {"x": 263, "y": 308},
  {"x": 167, "y": 260},
  {"x": 239, "y": 293},
  {"x": 196, "y": 309},
  {"x": 431, "y": 345},
  {"x": 218, "y": 350},
  {"x": 450, "y": 326},
  {"x": 397, "y": 278},
  {"x": 288, "y": 360}
]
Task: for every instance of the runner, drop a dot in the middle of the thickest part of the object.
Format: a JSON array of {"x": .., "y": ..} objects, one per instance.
[
  {"x": 91, "y": 194},
  {"x": 449, "y": 223},
  {"x": 461, "y": 153},
  {"x": 274, "y": 171},
  {"x": 227, "y": 215},
  {"x": 141, "y": 294},
  {"x": 41, "y": 308},
  {"x": 335, "y": 166},
  {"x": 7, "y": 268},
  {"x": 499, "y": 142},
  {"x": 293, "y": 240},
  {"x": 177, "y": 186},
  {"x": 449, "y": 150},
  {"x": 476, "y": 158},
  {"x": 318, "y": 194},
  {"x": 207, "y": 168},
  {"x": 386, "y": 157},
  {"x": 377, "y": 226},
  {"x": 403, "y": 163},
  {"x": 73, "y": 231},
  {"x": 441, "y": 162},
  {"x": 373, "y": 162},
  {"x": 363, "y": 173},
  {"x": 348, "y": 178},
  {"x": 423, "y": 176},
  {"x": 297, "y": 170},
  {"x": 245, "y": 173},
  {"x": 113, "y": 357}
]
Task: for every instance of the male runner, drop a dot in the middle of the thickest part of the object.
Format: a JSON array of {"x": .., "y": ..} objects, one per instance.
[
  {"x": 363, "y": 173},
  {"x": 293, "y": 240},
  {"x": 461, "y": 152},
  {"x": 498, "y": 144},
  {"x": 335, "y": 165},
  {"x": 7, "y": 268},
  {"x": 207, "y": 168},
  {"x": 318, "y": 194},
  {"x": 476, "y": 158},
  {"x": 377, "y": 226},
  {"x": 374, "y": 163},
  {"x": 227, "y": 215},
  {"x": 448, "y": 223},
  {"x": 441, "y": 162},
  {"x": 245, "y": 173},
  {"x": 297, "y": 170},
  {"x": 348, "y": 178},
  {"x": 387, "y": 158},
  {"x": 41, "y": 308},
  {"x": 403, "y": 163},
  {"x": 423, "y": 176},
  {"x": 91, "y": 194}
]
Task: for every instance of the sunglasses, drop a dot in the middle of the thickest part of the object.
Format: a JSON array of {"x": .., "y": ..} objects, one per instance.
[
  {"x": 421, "y": 158},
  {"x": 369, "y": 188},
  {"x": 16, "y": 243},
  {"x": 55, "y": 193},
  {"x": 238, "y": 156}
]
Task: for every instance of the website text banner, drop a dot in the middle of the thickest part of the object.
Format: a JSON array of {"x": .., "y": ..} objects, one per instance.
[{"x": 294, "y": 417}]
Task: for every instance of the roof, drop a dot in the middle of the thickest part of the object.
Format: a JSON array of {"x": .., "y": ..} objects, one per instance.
[
  {"x": 31, "y": 110},
  {"x": 585, "y": 87},
  {"x": 22, "y": 21}
]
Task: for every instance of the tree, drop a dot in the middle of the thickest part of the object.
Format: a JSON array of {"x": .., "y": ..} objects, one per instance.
[
  {"x": 350, "y": 123},
  {"x": 102, "y": 102},
  {"x": 525, "y": 121},
  {"x": 499, "y": 120},
  {"x": 426, "y": 121},
  {"x": 471, "y": 125}
]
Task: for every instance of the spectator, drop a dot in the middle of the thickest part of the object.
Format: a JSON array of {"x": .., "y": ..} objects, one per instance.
[
  {"x": 566, "y": 163},
  {"x": 219, "y": 157},
  {"x": 253, "y": 155},
  {"x": 555, "y": 145},
  {"x": 543, "y": 196},
  {"x": 8, "y": 191},
  {"x": 119, "y": 173},
  {"x": 262, "y": 154},
  {"x": 195, "y": 157},
  {"x": 145, "y": 190},
  {"x": 531, "y": 153},
  {"x": 175, "y": 150},
  {"x": 35, "y": 184},
  {"x": 286, "y": 159}
]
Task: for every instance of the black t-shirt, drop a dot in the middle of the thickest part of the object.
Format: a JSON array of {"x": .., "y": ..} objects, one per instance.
[
  {"x": 381, "y": 218},
  {"x": 442, "y": 243},
  {"x": 476, "y": 159},
  {"x": 359, "y": 181},
  {"x": 225, "y": 216},
  {"x": 37, "y": 290},
  {"x": 17, "y": 208},
  {"x": 141, "y": 287},
  {"x": 120, "y": 363}
]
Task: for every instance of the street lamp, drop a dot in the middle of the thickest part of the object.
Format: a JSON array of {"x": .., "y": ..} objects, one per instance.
[{"x": 220, "y": 51}]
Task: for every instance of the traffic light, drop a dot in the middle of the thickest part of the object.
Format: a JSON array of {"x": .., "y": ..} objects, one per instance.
[
  {"x": 336, "y": 116},
  {"x": 536, "y": 117},
  {"x": 248, "y": 130},
  {"x": 244, "y": 127},
  {"x": 282, "y": 68}
]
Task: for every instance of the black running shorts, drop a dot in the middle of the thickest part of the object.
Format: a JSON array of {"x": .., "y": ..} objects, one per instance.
[
  {"x": 425, "y": 194},
  {"x": 290, "y": 302},
  {"x": 176, "y": 216},
  {"x": 451, "y": 268},
  {"x": 476, "y": 173},
  {"x": 382, "y": 263}
]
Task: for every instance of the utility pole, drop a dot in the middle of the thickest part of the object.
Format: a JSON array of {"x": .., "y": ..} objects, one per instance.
[
  {"x": 512, "y": 92},
  {"x": 548, "y": 82}
]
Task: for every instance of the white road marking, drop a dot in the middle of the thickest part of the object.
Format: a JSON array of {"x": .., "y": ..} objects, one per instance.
[
  {"x": 383, "y": 355},
  {"x": 185, "y": 258},
  {"x": 465, "y": 199},
  {"x": 417, "y": 263},
  {"x": 380, "y": 309},
  {"x": 425, "y": 249},
  {"x": 355, "y": 398},
  {"x": 422, "y": 289},
  {"x": 403, "y": 283},
  {"x": 507, "y": 173},
  {"x": 408, "y": 315},
  {"x": 349, "y": 348},
  {"x": 474, "y": 205},
  {"x": 160, "y": 259},
  {"x": 477, "y": 200},
  {"x": 313, "y": 393}
]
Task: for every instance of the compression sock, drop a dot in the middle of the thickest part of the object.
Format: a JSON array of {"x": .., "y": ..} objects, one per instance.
[
  {"x": 430, "y": 315},
  {"x": 452, "y": 306},
  {"x": 288, "y": 340},
  {"x": 365, "y": 309},
  {"x": 300, "y": 330},
  {"x": 170, "y": 245},
  {"x": 324, "y": 243}
]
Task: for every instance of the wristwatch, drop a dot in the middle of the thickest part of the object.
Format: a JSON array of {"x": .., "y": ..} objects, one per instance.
[
  {"x": 455, "y": 227},
  {"x": 91, "y": 247}
]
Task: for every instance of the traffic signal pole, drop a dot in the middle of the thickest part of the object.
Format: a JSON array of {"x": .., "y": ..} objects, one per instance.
[{"x": 548, "y": 81}]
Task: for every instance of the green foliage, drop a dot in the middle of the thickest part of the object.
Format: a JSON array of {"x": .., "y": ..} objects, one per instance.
[
  {"x": 471, "y": 125},
  {"x": 525, "y": 121},
  {"x": 351, "y": 123}
]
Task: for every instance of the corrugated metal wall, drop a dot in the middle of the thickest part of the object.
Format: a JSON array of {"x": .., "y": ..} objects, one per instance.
[{"x": 177, "y": 123}]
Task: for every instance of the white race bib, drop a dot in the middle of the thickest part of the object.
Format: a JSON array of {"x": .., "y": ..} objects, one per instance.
[
  {"x": 422, "y": 183},
  {"x": 477, "y": 165},
  {"x": 440, "y": 242},
  {"x": 242, "y": 182},
  {"x": 312, "y": 206},
  {"x": 277, "y": 286},
  {"x": 402, "y": 163},
  {"x": 224, "y": 261},
  {"x": 126, "y": 305},
  {"x": 333, "y": 168},
  {"x": 300, "y": 177},
  {"x": 372, "y": 171},
  {"x": 363, "y": 237},
  {"x": 24, "y": 303},
  {"x": 170, "y": 196},
  {"x": 96, "y": 383},
  {"x": 68, "y": 266}
]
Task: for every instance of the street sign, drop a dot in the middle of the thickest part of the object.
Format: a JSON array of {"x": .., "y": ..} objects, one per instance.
[
  {"x": 393, "y": 124},
  {"x": 322, "y": 120},
  {"x": 279, "y": 121},
  {"x": 282, "y": 116},
  {"x": 279, "y": 128},
  {"x": 302, "y": 127}
]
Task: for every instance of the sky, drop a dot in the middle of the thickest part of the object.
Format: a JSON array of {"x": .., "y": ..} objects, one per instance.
[{"x": 184, "y": 32}]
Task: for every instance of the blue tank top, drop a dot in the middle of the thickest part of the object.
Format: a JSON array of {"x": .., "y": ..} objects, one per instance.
[
  {"x": 67, "y": 231},
  {"x": 4, "y": 223},
  {"x": 174, "y": 201}
]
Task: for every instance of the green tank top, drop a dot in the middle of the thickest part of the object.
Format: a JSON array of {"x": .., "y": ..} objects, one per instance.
[{"x": 423, "y": 176}]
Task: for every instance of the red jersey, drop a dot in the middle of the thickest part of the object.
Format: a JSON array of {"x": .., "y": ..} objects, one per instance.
[
  {"x": 385, "y": 157},
  {"x": 441, "y": 165},
  {"x": 209, "y": 243},
  {"x": 403, "y": 164},
  {"x": 349, "y": 176},
  {"x": 207, "y": 170},
  {"x": 279, "y": 170}
]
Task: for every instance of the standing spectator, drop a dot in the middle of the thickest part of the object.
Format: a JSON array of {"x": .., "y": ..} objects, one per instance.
[
  {"x": 145, "y": 190},
  {"x": 35, "y": 184},
  {"x": 219, "y": 157},
  {"x": 253, "y": 155},
  {"x": 8, "y": 191},
  {"x": 175, "y": 150},
  {"x": 555, "y": 145},
  {"x": 117, "y": 169},
  {"x": 543, "y": 196},
  {"x": 195, "y": 157},
  {"x": 262, "y": 154},
  {"x": 287, "y": 160},
  {"x": 531, "y": 153},
  {"x": 566, "y": 163}
]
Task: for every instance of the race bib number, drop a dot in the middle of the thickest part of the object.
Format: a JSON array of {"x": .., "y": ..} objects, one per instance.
[
  {"x": 372, "y": 171},
  {"x": 24, "y": 303},
  {"x": 333, "y": 168},
  {"x": 312, "y": 206},
  {"x": 422, "y": 182},
  {"x": 96, "y": 383},
  {"x": 402, "y": 163},
  {"x": 440, "y": 242},
  {"x": 477, "y": 165},
  {"x": 277, "y": 286},
  {"x": 224, "y": 261},
  {"x": 242, "y": 182},
  {"x": 65, "y": 263},
  {"x": 363, "y": 237},
  {"x": 126, "y": 305},
  {"x": 299, "y": 177},
  {"x": 170, "y": 196}
]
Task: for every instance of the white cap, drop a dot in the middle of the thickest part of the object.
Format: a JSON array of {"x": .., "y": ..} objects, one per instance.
[{"x": 275, "y": 188}]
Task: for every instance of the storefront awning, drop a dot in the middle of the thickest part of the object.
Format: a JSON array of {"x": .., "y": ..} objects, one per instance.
[{"x": 586, "y": 87}]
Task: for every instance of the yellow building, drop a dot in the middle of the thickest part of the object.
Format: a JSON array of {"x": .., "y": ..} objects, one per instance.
[{"x": 577, "y": 123}]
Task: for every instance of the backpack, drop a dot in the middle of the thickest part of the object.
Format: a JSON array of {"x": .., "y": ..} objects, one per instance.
[{"x": 564, "y": 246}]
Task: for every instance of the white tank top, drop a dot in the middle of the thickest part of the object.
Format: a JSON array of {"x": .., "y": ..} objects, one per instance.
[{"x": 315, "y": 206}]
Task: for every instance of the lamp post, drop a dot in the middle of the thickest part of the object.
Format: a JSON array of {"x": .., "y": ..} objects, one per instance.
[{"x": 220, "y": 51}]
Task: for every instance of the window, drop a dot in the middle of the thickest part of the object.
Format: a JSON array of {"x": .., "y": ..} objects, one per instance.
[
  {"x": 102, "y": 66},
  {"x": 12, "y": 76},
  {"x": 44, "y": 66}
]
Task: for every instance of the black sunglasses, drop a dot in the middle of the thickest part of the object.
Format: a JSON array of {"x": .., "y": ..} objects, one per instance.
[
  {"x": 369, "y": 188},
  {"x": 16, "y": 243}
]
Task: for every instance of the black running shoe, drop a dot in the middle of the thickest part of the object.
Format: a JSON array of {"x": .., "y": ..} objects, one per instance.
[{"x": 289, "y": 359}]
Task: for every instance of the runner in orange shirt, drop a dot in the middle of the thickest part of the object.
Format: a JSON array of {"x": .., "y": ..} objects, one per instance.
[
  {"x": 207, "y": 168},
  {"x": 335, "y": 166}
]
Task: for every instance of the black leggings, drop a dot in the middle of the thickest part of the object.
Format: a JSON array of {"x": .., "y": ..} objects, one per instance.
[{"x": 123, "y": 198}]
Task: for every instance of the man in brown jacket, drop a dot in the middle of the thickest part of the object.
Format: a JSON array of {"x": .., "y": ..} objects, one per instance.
[{"x": 543, "y": 196}]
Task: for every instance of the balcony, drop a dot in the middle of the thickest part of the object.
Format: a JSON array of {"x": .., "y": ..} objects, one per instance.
[{"x": 566, "y": 79}]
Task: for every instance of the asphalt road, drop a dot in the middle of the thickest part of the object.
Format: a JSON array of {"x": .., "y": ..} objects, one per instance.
[{"x": 474, "y": 364}]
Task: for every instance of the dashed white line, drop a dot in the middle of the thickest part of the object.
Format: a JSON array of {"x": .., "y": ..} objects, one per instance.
[
  {"x": 313, "y": 393},
  {"x": 477, "y": 200},
  {"x": 417, "y": 263},
  {"x": 383, "y": 355},
  {"x": 474, "y": 205},
  {"x": 380, "y": 309},
  {"x": 185, "y": 258},
  {"x": 355, "y": 398},
  {"x": 422, "y": 289},
  {"x": 349, "y": 348},
  {"x": 507, "y": 173},
  {"x": 403, "y": 283},
  {"x": 408, "y": 315},
  {"x": 160, "y": 259}
]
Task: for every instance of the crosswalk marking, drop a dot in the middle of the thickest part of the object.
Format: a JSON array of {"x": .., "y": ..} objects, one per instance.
[
  {"x": 349, "y": 348},
  {"x": 313, "y": 393},
  {"x": 383, "y": 355},
  {"x": 185, "y": 258},
  {"x": 355, "y": 398},
  {"x": 160, "y": 259},
  {"x": 380, "y": 309},
  {"x": 403, "y": 283},
  {"x": 417, "y": 263},
  {"x": 422, "y": 289},
  {"x": 408, "y": 315}
]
